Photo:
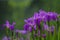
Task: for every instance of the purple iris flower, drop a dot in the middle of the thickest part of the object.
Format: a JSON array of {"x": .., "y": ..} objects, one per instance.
[
  {"x": 6, "y": 38},
  {"x": 21, "y": 31},
  {"x": 51, "y": 29},
  {"x": 37, "y": 18},
  {"x": 11, "y": 27},
  {"x": 8, "y": 25},
  {"x": 44, "y": 35},
  {"x": 29, "y": 24},
  {"x": 42, "y": 12},
  {"x": 51, "y": 16},
  {"x": 28, "y": 27},
  {"x": 43, "y": 15},
  {"x": 30, "y": 21},
  {"x": 47, "y": 16}
]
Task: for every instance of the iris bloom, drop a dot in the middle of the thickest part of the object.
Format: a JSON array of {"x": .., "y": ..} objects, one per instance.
[
  {"x": 51, "y": 16},
  {"x": 8, "y": 25},
  {"x": 37, "y": 18},
  {"x": 28, "y": 27},
  {"x": 44, "y": 35},
  {"x": 30, "y": 21},
  {"x": 6, "y": 38},
  {"x": 49, "y": 28},
  {"x": 30, "y": 24}
]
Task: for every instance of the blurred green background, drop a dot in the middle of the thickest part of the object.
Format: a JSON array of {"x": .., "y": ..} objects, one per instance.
[{"x": 18, "y": 10}]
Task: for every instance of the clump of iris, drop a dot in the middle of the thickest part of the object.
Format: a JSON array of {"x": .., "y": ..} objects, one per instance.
[
  {"x": 39, "y": 23},
  {"x": 37, "y": 26}
]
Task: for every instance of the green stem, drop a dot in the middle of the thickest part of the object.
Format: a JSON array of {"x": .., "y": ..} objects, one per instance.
[
  {"x": 42, "y": 38},
  {"x": 41, "y": 32},
  {"x": 33, "y": 34},
  {"x": 12, "y": 35},
  {"x": 57, "y": 24},
  {"x": 17, "y": 36},
  {"x": 57, "y": 28},
  {"x": 49, "y": 32},
  {"x": 7, "y": 33},
  {"x": 36, "y": 31}
]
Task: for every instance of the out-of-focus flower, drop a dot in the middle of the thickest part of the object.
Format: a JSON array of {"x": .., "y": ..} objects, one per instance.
[
  {"x": 7, "y": 24},
  {"x": 51, "y": 29},
  {"x": 5, "y": 38},
  {"x": 37, "y": 18},
  {"x": 44, "y": 35},
  {"x": 45, "y": 27},
  {"x": 42, "y": 13},
  {"x": 10, "y": 26},
  {"x": 30, "y": 24},
  {"x": 30, "y": 21},
  {"x": 28, "y": 27},
  {"x": 51, "y": 16}
]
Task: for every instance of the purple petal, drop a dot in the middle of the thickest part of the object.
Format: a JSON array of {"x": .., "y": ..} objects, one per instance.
[
  {"x": 30, "y": 21},
  {"x": 7, "y": 24},
  {"x": 26, "y": 26},
  {"x": 21, "y": 31},
  {"x": 42, "y": 13},
  {"x": 52, "y": 16},
  {"x": 11, "y": 27}
]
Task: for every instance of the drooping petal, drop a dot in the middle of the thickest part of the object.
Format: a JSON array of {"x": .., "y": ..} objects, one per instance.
[
  {"x": 7, "y": 24},
  {"x": 21, "y": 31}
]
